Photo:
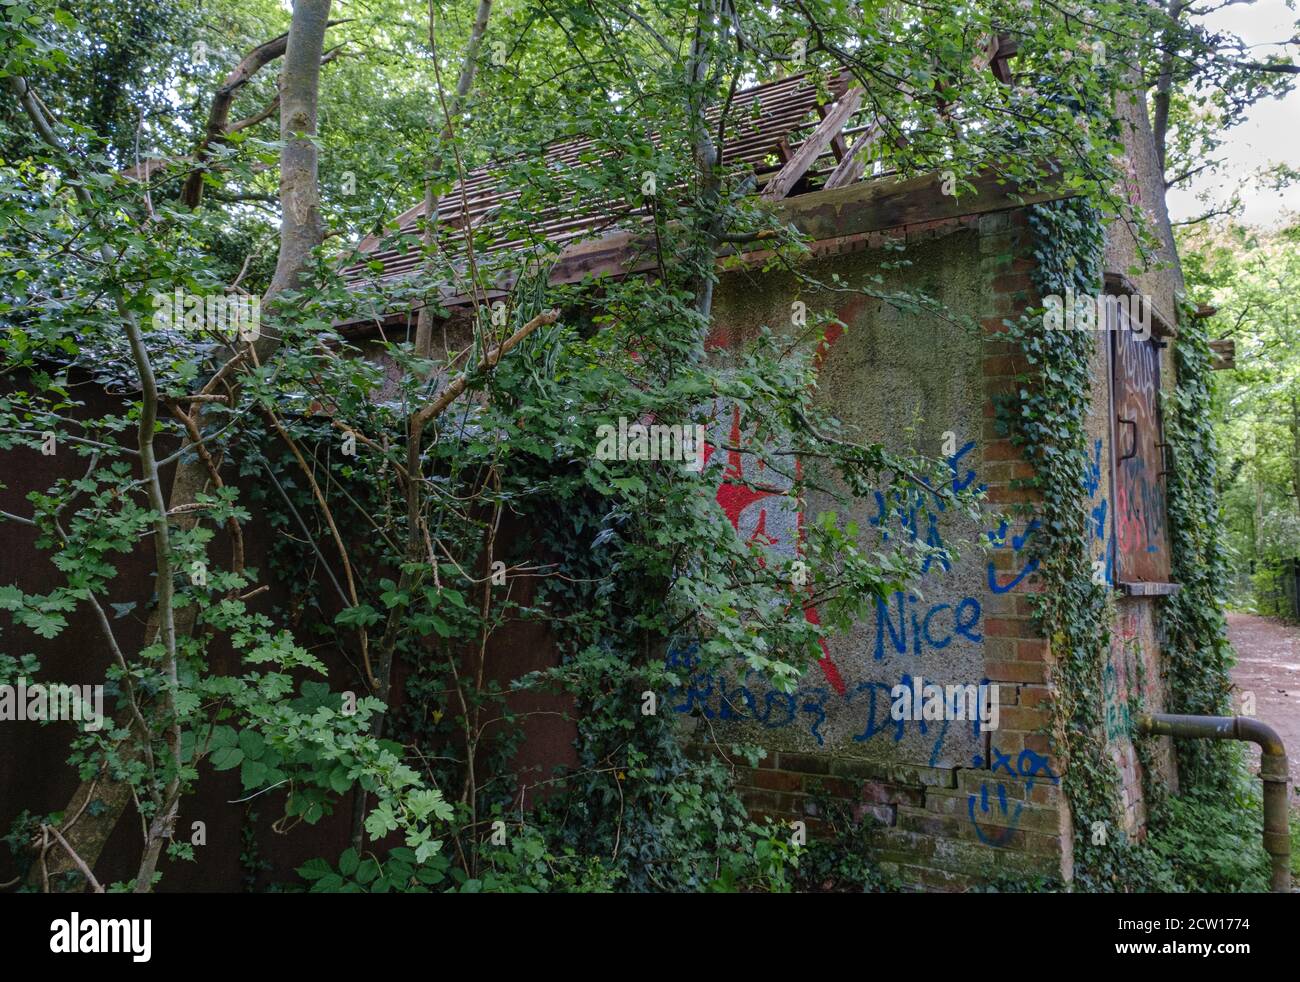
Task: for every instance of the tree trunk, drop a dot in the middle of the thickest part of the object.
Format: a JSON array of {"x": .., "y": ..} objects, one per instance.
[
  {"x": 424, "y": 319},
  {"x": 423, "y": 349},
  {"x": 1295, "y": 447},
  {"x": 1164, "y": 84},
  {"x": 300, "y": 233},
  {"x": 219, "y": 113}
]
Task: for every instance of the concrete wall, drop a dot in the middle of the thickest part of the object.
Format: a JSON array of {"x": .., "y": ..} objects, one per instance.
[
  {"x": 942, "y": 802},
  {"x": 944, "y": 805}
]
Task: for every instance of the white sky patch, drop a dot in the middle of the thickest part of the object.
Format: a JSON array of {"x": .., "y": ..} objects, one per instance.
[{"x": 1271, "y": 132}]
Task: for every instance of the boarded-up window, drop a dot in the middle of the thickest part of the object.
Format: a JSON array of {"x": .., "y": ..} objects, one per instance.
[{"x": 1137, "y": 434}]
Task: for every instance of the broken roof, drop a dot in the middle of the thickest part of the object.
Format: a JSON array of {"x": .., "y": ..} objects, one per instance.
[{"x": 793, "y": 139}]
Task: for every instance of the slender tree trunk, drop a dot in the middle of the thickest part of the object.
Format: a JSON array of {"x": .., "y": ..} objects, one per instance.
[
  {"x": 1295, "y": 447},
  {"x": 166, "y": 803},
  {"x": 1164, "y": 84},
  {"x": 468, "y": 68},
  {"x": 705, "y": 153},
  {"x": 300, "y": 233},
  {"x": 423, "y": 349},
  {"x": 218, "y": 126},
  {"x": 300, "y": 223}
]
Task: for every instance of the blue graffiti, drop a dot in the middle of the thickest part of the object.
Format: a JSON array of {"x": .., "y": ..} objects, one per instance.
[
  {"x": 1092, "y": 476},
  {"x": 717, "y": 697},
  {"x": 906, "y": 624},
  {"x": 912, "y": 508},
  {"x": 1092, "y": 483},
  {"x": 999, "y": 541},
  {"x": 962, "y": 484},
  {"x": 912, "y": 513},
  {"x": 900, "y": 726},
  {"x": 1029, "y": 766},
  {"x": 935, "y": 629},
  {"x": 1003, "y": 835}
]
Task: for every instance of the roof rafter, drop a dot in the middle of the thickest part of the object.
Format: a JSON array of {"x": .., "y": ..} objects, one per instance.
[{"x": 812, "y": 148}]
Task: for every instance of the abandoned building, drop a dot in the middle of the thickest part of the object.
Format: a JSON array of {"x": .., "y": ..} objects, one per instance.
[{"x": 946, "y": 803}]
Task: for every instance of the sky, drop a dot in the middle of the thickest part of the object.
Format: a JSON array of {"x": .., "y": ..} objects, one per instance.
[{"x": 1271, "y": 132}]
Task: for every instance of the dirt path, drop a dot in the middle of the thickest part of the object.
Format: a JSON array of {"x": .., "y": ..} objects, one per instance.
[{"x": 1268, "y": 664}]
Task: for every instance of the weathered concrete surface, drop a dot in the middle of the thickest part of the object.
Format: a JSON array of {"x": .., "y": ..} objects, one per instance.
[
  {"x": 944, "y": 801},
  {"x": 905, "y": 380}
]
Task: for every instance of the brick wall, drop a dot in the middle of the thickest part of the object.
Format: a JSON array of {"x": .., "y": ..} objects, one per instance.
[{"x": 997, "y": 812}]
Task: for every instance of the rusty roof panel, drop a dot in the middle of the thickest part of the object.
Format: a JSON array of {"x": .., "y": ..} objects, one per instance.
[{"x": 768, "y": 118}]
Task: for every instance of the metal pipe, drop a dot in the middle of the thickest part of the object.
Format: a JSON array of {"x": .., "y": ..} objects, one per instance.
[{"x": 1272, "y": 770}]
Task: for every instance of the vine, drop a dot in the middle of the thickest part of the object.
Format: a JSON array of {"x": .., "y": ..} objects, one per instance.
[
  {"x": 1198, "y": 651},
  {"x": 1047, "y": 420}
]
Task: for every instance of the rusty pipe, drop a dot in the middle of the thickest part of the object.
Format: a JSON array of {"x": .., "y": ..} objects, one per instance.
[{"x": 1272, "y": 770}]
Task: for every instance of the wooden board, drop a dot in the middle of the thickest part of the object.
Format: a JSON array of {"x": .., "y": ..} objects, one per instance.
[{"x": 1137, "y": 436}]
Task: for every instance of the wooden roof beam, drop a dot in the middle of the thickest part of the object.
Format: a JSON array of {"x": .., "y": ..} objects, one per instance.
[
  {"x": 814, "y": 146},
  {"x": 848, "y": 170}
]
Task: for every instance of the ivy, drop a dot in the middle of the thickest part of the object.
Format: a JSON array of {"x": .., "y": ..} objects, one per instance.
[
  {"x": 1047, "y": 420},
  {"x": 1197, "y": 647}
]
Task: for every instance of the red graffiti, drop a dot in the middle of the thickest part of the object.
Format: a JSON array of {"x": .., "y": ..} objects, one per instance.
[{"x": 737, "y": 497}]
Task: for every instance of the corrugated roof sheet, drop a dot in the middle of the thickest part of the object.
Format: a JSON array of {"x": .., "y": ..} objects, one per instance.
[{"x": 770, "y": 122}]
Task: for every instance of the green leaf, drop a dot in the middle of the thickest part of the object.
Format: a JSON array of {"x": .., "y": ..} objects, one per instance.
[
  {"x": 252, "y": 744},
  {"x": 225, "y": 758},
  {"x": 339, "y": 780},
  {"x": 314, "y": 869},
  {"x": 253, "y": 773},
  {"x": 367, "y": 871},
  {"x": 362, "y": 615},
  {"x": 381, "y": 821},
  {"x": 348, "y": 862}
]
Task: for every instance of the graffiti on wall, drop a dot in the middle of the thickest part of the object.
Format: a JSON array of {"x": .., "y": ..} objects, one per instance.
[
  {"x": 1123, "y": 679},
  {"x": 846, "y": 700},
  {"x": 996, "y": 820},
  {"x": 1124, "y": 682},
  {"x": 1140, "y": 521},
  {"x": 720, "y": 696},
  {"x": 1098, "y": 508},
  {"x": 906, "y": 626}
]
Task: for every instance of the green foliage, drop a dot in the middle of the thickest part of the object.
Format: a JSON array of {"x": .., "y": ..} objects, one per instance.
[
  {"x": 526, "y": 865},
  {"x": 1249, "y": 276},
  {"x": 1197, "y": 647},
  {"x": 1209, "y": 840},
  {"x": 634, "y": 564},
  {"x": 1047, "y": 420},
  {"x": 839, "y": 859}
]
